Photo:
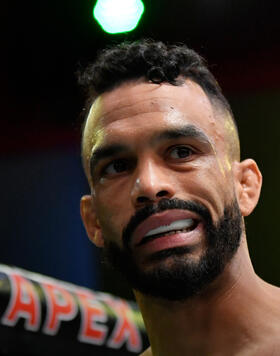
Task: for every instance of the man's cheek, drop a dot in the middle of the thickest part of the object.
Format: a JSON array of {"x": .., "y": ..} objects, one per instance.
[{"x": 111, "y": 228}]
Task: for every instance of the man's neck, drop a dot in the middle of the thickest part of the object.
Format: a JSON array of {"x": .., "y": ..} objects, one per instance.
[{"x": 239, "y": 311}]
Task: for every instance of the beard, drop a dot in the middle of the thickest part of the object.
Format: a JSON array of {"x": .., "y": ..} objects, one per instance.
[{"x": 173, "y": 275}]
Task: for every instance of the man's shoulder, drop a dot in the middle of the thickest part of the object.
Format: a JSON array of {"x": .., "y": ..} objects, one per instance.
[{"x": 147, "y": 352}]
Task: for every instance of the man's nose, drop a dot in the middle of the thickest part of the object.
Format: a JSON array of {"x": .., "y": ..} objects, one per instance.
[{"x": 152, "y": 183}]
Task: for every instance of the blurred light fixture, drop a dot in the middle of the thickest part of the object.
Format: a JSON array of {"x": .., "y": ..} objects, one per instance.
[{"x": 117, "y": 16}]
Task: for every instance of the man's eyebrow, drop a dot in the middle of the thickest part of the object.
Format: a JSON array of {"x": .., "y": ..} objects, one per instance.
[
  {"x": 188, "y": 131},
  {"x": 104, "y": 152}
]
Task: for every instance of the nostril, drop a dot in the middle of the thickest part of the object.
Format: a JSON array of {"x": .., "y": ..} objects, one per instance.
[
  {"x": 162, "y": 193},
  {"x": 142, "y": 199},
  {"x": 147, "y": 199}
]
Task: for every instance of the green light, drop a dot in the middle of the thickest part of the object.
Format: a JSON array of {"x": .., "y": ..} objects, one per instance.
[{"x": 116, "y": 16}]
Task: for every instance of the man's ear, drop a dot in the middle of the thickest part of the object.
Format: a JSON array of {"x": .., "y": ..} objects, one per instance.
[
  {"x": 248, "y": 180},
  {"x": 90, "y": 221}
]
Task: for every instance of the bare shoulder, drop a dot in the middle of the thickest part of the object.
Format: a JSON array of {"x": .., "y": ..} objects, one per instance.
[{"x": 147, "y": 352}]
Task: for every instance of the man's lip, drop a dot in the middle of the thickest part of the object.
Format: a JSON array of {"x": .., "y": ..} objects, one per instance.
[{"x": 163, "y": 218}]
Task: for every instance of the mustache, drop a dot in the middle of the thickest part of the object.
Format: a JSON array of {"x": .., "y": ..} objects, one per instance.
[{"x": 162, "y": 205}]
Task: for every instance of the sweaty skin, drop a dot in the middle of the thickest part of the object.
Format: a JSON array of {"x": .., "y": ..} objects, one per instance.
[{"x": 129, "y": 161}]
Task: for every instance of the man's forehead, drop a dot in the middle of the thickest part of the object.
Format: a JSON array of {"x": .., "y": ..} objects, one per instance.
[
  {"x": 136, "y": 98},
  {"x": 141, "y": 96}
]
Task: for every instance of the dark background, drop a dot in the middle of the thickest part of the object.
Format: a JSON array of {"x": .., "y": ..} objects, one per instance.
[{"x": 43, "y": 43}]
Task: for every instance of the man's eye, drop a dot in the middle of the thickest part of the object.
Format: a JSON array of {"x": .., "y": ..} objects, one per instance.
[
  {"x": 180, "y": 152},
  {"x": 115, "y": 167}
]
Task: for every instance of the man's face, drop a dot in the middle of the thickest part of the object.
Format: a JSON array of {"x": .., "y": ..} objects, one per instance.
[{"x": 162, "y": 182}]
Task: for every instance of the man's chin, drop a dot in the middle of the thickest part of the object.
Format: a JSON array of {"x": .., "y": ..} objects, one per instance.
[
  {"x": 172, "y": 278},
  {"x": 171, "y": 274}
]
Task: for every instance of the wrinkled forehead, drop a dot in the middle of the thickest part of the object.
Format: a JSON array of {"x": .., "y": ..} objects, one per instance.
[{"x": 130, "y": 99}]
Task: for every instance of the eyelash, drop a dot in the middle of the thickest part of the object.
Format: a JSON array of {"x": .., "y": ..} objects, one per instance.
[
  {"x": 119, "y": 160},
  {"x": 186, "y": 147}
]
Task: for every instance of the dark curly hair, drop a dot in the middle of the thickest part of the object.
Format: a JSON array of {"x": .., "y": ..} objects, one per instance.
[
  {"x": 155, "y": 61},
  {"x": 158, "y": 63}
]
